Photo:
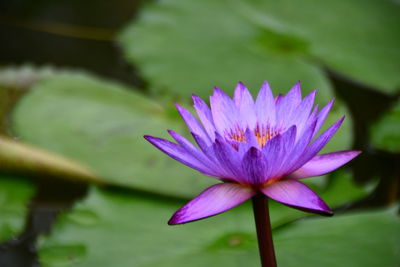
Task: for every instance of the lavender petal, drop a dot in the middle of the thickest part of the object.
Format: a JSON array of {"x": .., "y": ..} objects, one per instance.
[{"x": 214, "y": 200}]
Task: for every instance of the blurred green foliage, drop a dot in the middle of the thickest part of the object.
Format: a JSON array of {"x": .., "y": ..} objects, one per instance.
[
  {"x": 182, "y": 47},
  {"x": 136, "y": 227},
  {"x": 386, "y": 132},
  {"x": 14, "y": 196}
]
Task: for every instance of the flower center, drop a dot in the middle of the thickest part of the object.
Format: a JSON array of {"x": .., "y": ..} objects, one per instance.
[{"x": 262, "y": 135}]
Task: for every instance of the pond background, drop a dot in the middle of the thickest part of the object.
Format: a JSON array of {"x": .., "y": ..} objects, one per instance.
[{"x": 86, "y": 80}]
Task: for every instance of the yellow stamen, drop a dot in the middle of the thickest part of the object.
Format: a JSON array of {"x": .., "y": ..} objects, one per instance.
[{"x": 262, "y": 134}]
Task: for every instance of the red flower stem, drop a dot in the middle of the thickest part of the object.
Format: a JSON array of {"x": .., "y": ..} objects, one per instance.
[{"x": 264, "y": 233}]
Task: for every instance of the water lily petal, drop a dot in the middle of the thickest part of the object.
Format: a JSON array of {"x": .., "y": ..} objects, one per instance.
[
  {"x": 309, "y": 122},
  {"x": 297, "y": 195},
  {"x": 276, "y": 151},
  {"x": 178, "y": 153},
  {"x": 209, "y": 151},
  {"x": 214, "y": 200},
  {"x": 322, "y": 115},
  {"x": 245, "y": 104},
  {"x": 254, "y": 166},
  {"x": 193, "y": 124},
  {"x": 265, "y": 106},
  {"x": 292, "y": 156},
  {"x": 228, "y": 159},
  {"x": 316, "y": 146},
  {"x": 325, "y": 163},
  {"x": 196, "y": 153},
  {"x": 288, "y": 103},
  {"x": 224, "y": 111},
  {"x": 204, "y": 113},
  {"x": 302, "y": 112}
]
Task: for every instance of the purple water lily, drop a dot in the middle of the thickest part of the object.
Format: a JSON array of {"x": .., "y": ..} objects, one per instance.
[{"x": 264, "y": 147}]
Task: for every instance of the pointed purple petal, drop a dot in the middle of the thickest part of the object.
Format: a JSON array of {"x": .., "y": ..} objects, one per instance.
[
  {"x": 193, "y": 124},
  {"x": 205, "y": 115},
  {"x": 288, "y": 103},
  {"x": 224, "y": 111},
  {"x": 242, "y": 96},
  {"x": 325, "y": 163},
  {"x": 313, "y": 149},
  {"x": 322, "y": 115},
  {"x": 245, "y": 104},
  {"x": 302, "y": 112},
  {"x": 209, "y": 152},
  {"x": 196, "y": 153},
  {"x": 297, "y": 195},
  {"x": 277, "y": 149},
  {"x": 214, "y": 200},
  {"x": 178, "y": 153},
  {"x": 265, "y": 106},
  {"x": 311, "y": 120},
  {"x": 200, "y": 141},
  {"x": 254, "y": 166},
  {"x": 300, "y": 145},
  {"x": 228, "y": 159}
]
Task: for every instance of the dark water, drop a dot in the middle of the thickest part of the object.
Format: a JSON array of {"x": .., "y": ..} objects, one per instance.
[{"x": 79, "y": 34}]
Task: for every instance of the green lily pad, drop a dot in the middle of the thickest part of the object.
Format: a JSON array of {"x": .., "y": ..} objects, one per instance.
[
  {"x": 101, "y": 124},
  {"x": 186, "y": 47},
  {"x": 362, "y": 44},
  {"x": 190, "y": 46},
  {"x": 385, "y": 133},
  {"x": 14, "y": 196},
  {"x": 111, "y": 229},
  {"x": 360, "y": 239}
]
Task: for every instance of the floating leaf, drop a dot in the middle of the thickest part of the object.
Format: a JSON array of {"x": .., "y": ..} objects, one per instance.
[
  {"x": 362, "y": 239},
  {"x": 187, "y": 47},
  {"x": 101, "y": 125},
  {"x": 182, "y": 44},
  {"x": 110, "y": 229},
  {"x": 14, "y": 197},
  {"x": 385, "y": 133},
  {"x": 363, "y": 46}
]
